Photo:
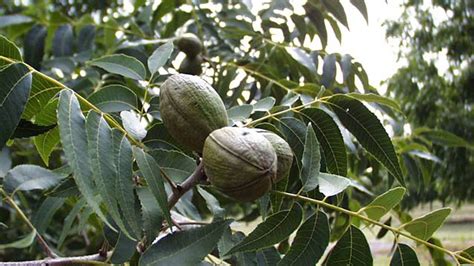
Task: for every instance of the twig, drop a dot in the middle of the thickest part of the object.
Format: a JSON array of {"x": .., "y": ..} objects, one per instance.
[
  {"x": 188, "y": 184},
  {"x": 95, "y": 259},
  {"x": 49, "y": 252}
]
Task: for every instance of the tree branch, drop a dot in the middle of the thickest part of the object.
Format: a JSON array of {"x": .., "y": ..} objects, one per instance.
[
  {"x": 95, "y": 259},
  {"x": 195, "y": 178}
]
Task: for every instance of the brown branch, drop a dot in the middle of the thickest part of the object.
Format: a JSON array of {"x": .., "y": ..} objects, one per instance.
[
  {"x": 88, "y": 259},
  {"x": 195, "y": 178}
]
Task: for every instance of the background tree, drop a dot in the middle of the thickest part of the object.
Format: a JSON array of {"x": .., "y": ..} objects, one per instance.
[
  {"x": 434, "y": 88},
  {"x": 88, "y": 166}
]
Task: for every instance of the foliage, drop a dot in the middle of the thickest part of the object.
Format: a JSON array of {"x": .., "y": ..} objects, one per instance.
[
  {"x": 437, "y": 96},
  {"x": 88, "y": 167}
]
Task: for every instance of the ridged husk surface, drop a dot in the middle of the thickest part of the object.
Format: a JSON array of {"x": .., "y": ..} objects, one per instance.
[
  {"x": 189, "y": 44},
  {"x": 240, "y": 162},
  {"x": 191, "y": 65},
  {"x": 191, "y": 109},
  {"x": 283, "y": 151}
]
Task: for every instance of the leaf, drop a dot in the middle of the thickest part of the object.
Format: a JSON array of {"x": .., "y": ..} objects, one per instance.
[
  {"x": 44, "y": 214},
  {"x": 124, "y": 186},
  {"x": 133, "y": 125},
  {"x": 331, "y": 185},
  {"x": 274, "y": 229},
  {"x": 425, "y": 226},
  {"x": 123, "y": 250},
  {"x": 374, "y": 98},
  {"x": 175, "y": 164},
  {"x": 443, "y": 138},
  {"x": 467, "y": 253},
  {"x": 10, "y": 20},
  {"x": 330, "y": 138},
  {"x": 152, "y": 215},
  {"x": 46, "y": 143},
  {"x": 69, "y": 220},
  {"x": 384, "y": 203},
  {"x": 368, "y": 130},
  {"x": 311, "y": 161},
  {"x": 14, "y": 90},
  {"x": 160, "y": 56},
  {"x": 63, "y": 41},
  {"x": 42, "y": 92},
  {"x": 114, "y": 98},
  {"x": 351, "y": 249},
  {"x": 301, "y": 57},
  {"x": 405, "y": 256},
  {"x": 27, "y": 177},
  {"x": 294, "y": 131},
  {"x": 33, "y": 46},
  {"x": 329, "y": 70},
  {"x": 268, "y": 256},
  {"x": 151, "y": 172},
  {"x": 264, "y": 105},
  {"x": 240, "y": 112},
  {"x": 26, "y": 129},
  {"x": 335, "y": 8},
  {"x": 21, "y": 243},
  {"x": 48, "y": 115},
  {"x": 5, "y": 161},
  {"x": 123, "y": 65},
  {"x": 85, "y": 40},
  {"x": 9, "y": 49},
  {"x": 310, "y": 241},
  {"x": 73, "y": 135},
  {"x": 101, "y": 152},
  {"x": 360, "y": 5},
  {"x": 317, "y": 18},
  {"x": 187, "y": 247}
]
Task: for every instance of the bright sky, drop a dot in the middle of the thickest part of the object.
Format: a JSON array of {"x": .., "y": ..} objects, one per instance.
[{"x": 366, "y": 43}]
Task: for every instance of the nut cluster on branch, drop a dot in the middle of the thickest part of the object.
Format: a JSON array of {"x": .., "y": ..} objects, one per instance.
[{"x": 190, "y": 44}]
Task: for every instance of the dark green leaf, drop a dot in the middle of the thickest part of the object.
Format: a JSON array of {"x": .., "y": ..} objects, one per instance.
[
  {"x": 425, "y": 226},
  {"x": 21, "y": 243},
  {"x": 368, "y": 130},
  {"x": 33, "y": 46},
  {"x": 9, "y": 49},
  {"x": 317, "y": 18},
  {"x": 360, "y": 5},
  {"x": 133, "y": 124},
  {"x": 311, "y": 161},
  {"x": 85, "y": 40},
  {"x": 177, "y": 165},
  {"x": 302, "y": 57},
  {"x": 73, "y": 135},
  {"x": 374, "y": 98},
  {"x": 46, "y": 143},
  {"x": 331, "y": 185},
  {"x": 63, "y": 41},
  {"x": 114, "y": 98},
  {"x": 330, "y": 138},
  {"x": 151, "y": 213},
  {"x": 151, "y": 172},
  {"x": 351, "y": 249},
  {"x": 384, "y": 203},
  {"x": 187, "y": 247},
  {"x": 268, "y": 257},
  {"x": 294, "y": 131},
  {"x": 14, "y": 90},
  {"x": 160, "y": 56},
  {"x": 444, "y": 138},
  {"x": 69, "y": 220},
  {"x": 405, "y": 256},
  {"x": 26, "y": 129},
  {"x": 123, "y": 250},
  {"x": 335, "y": 8},
  {"x": 30, "y": 177},
  {"x": 274, "y": 229},
  {"x": 329, "y": 70},
  {"x": 467, "y": 253},
  {"x": 310, "y": 242},
  {"x": 44, "y": 214},
  {"x": 123, "y": 65}
]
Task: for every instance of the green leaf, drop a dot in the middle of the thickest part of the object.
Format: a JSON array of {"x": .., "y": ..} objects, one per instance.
[
  {"x": 21, "y": 243},
  {"x": 63, "y": 41},
  {"x": 124, "y": 187},
  {"x": 14, "y": 90},
  {"x": 331, "y": 185},
  {"x": 405, "y": 256},
  {"x": 294, "y": 131},
  {"x": 467, "y": 253},
  {"x": 301, "y": 57},
  {"x": 351, "y": 249},
  {"x": 27, "y": 177},
  {"x": 384, "y": 203},
  {"x": 368, "y": 130},
  {"x": 160, "y": 56},
  {"x": 374, "y": 98},
  {"x": 34, "y": 46},
  {"x": 123, "y": 65},
  {"x": 274, "y": 229},
  {"x": 10, "y": 20},
  {"x": 101, "y": 152},
  {"x": 5, "y": 161},
  {"x": 123, "y": 250},
  {"x": 42, "y": 91},
  {"x": 264, "y": 105},
  {"x": 152, "y": 215},
  {"x": 444, "y": 138},
  {"x": 151, "y": 172},
  {"x": 26, "y": 129},
  {"x": 311, "y": 161},
  {"x": 240, "y": 112},
  {"x": 425, "y": 226},
  {"x": 73, "y": 135},
  {"x": 46, "y": 143},
  {"x": 317, "y": 18},
  {"x": 114, "y": 98},
  {"x": 187, "y": 247},
  {"x": 360, "y": 5},
  {"x": 69, "y": 220},
  {"x": 9, "y": 49},
  {"x": 268, "y": 256},
  {"x": 44, "y": 214},
  {"x": 329, "y": 70},
  {"x": 310, "y": 241},
  {"x": 175, "y": 164},
  {"x": 330, "y": 138},
  {"x": 335, "y": 8},
  {"x": 133, "y": 124}
]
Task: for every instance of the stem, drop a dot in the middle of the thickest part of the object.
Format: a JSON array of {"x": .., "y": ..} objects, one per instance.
[
  {"x": 81, "y": 99},
  {"x": 22, "y": 215},
  {"x": 188, "y": 184},
  {"x": 367, "y": 219},
  {"x": 95, "y": 259}
]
